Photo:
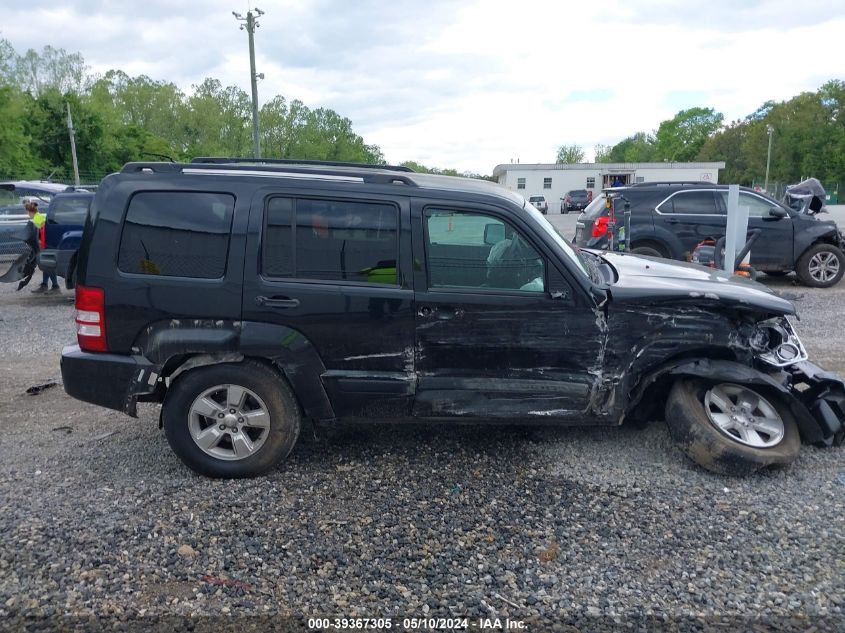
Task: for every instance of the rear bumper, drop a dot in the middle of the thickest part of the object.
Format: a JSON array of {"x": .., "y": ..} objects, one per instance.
[
  {"x": 113, "y": 381},
  {"x": 55, "y": 261}
]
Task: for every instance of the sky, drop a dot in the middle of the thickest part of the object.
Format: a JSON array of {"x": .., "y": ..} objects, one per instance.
[{"x": 466, "y": 84}]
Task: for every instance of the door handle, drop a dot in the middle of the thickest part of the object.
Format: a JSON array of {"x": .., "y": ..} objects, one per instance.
[{"x": 276, "y": 302}]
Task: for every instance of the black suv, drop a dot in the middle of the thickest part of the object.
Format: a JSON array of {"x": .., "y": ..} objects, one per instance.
[
  {"x": 249, "y": 298},
  {"x": 671, "y": 219},
  {"x": 575, "y": 200}
]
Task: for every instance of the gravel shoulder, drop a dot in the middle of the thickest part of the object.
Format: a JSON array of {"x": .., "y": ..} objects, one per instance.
[{"x": 587, "y": 528}]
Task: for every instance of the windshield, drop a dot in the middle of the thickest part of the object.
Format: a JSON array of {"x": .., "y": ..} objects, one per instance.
[{"x": 567, "y": 248}]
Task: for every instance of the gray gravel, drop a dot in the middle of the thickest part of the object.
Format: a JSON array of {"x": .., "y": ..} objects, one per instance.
[{"x": 566, "y": 529}]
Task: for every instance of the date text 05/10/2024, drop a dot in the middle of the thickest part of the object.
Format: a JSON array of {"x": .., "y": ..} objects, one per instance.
[{"x": 445, "y": 624}]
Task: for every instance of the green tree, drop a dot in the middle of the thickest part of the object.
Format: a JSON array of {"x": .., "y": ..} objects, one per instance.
[
  {"x": 682, "y": 137},
  {"x": 51, "y": 69},
  {"x": 570, "y": 154},
  {"x": 156, "y": 106},
  {"x": 218, "y": 121},
  {"x": 16, "y": 156},
  {"x": 638, "y": 148},
  {"x": 602, "y": 153}
]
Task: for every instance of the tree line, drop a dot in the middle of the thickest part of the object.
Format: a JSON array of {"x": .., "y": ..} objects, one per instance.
[
  {"x": 118, "y": 118},
  {"x": 808, "y": 139}
]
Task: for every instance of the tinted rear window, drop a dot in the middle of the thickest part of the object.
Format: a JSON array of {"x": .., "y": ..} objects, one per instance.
[
  {"x": 691, "y": 203},
  {"x": 70, "y": 210},
  {"x": 177, "y": 234},
  {"x": 595, "y": 208},
  {"x": 339, "y": 240}
]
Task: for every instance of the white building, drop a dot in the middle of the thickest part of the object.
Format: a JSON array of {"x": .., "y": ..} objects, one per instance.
[{"x": 553, "y": 181}]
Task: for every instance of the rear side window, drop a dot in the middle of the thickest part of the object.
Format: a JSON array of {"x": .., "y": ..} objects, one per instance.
[
  {"x": 691, "y": 203},
  {"x": 334, "y": 240},
  {"x": 176, "y": 234},
  {"x": 70, "y": 210}
]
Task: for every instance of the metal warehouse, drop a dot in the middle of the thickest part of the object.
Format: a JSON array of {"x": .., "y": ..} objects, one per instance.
[{"x": 554, "y": 180}]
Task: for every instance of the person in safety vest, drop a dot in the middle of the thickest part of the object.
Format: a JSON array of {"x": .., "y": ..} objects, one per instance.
[{"x": 39, "y": 220}]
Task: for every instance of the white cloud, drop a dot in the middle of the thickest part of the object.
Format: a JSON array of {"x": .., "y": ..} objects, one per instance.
[{"x": 468, "y": 84}]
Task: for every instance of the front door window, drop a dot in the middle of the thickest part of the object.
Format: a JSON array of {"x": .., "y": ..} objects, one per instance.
[{"x": 482, "y": 252}]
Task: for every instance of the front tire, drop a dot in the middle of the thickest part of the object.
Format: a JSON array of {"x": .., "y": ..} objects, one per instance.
[
  {"x": 821, "y": 266},
  {"x": 231, "y": 420},
  {"x": 730, "y": 429}
]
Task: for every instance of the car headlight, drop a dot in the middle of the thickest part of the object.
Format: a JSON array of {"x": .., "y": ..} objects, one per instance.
[{"x": 776, "y": 343}]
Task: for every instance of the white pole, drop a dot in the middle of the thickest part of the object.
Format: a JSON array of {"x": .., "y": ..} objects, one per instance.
[
  {"x": 72, "y": 146},
  {"x": 770, "y": 130},
  {"x": 736, "y": 229}
]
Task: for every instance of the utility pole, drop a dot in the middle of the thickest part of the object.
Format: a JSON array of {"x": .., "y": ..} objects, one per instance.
[
  {"x": 72, "y": 146},
  {"x": 250, "y": 24},
  {"x": 770, "y": 130}
]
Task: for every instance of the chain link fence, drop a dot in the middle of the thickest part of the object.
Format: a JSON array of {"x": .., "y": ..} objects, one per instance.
[
  {"x": 58, "y": 176},
  {"x": 835, "y": 190}
]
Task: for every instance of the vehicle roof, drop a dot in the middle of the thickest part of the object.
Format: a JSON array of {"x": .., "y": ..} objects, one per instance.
[
  {"x": 346, "y": 172},
  {"x": 33, "y": 185},
  {"x": 77, "y": 193}
]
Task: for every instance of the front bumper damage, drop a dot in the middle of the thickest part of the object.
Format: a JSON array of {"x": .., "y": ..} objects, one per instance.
[
  {"x": 822, "y": 393},
  {"x": 815, "y": 397}
]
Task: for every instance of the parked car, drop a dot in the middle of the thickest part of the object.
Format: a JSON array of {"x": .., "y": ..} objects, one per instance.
[
  {"x": 671, "y": 219},
  {"x": 249, "y": 299},
  {"x": 539, "y": 203},
  {"x": 13, "y": 217},
  {"x": 575, "y": 200},
  {"x": 63, "y": 234}
]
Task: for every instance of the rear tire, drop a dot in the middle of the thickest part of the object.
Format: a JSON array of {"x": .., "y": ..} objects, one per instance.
[
  {"x": 821, "y": 266},
  {"x": 260, "y": 433},
  {"x": 649, "y": 249},
  {"x": 721, "y": 451}
]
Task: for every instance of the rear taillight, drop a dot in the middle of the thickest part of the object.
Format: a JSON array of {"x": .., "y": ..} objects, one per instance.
[
  {"x": 91, "y": 319},
  {"x": 600, "y": 226}
]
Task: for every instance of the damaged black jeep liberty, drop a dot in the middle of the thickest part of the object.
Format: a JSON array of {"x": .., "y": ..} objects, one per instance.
[{"x": 250, "y": 297}]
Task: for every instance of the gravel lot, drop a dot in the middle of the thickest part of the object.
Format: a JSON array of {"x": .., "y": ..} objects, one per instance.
[{"x": 563, "y": 529}]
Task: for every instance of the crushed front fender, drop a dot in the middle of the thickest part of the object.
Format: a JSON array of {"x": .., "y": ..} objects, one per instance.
[
  {"x": 823, "y": 394},
  {"x": 815, "y": 396}
]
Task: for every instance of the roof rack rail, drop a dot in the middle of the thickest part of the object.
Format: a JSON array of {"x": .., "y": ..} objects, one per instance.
[
  {"x": 370, "y": 175},
  {"x": 294, "y": 161},
  {"x": 672, "y": 182}
]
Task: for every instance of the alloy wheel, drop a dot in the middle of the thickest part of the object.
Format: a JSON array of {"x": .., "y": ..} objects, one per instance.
[
  {"x": 229, "y": 422},
  {"x": 744, "y": 415},
  {"x": 823, "y": 266}
]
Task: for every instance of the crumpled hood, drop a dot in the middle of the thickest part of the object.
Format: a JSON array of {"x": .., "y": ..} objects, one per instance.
[{"x": 654, "y": 279}]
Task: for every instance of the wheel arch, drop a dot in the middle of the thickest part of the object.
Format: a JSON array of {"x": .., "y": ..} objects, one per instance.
[
  {"x": 812, "y": 236},
  {"x": 657, "y": 382},
  {"x": 178, "y": 346}
]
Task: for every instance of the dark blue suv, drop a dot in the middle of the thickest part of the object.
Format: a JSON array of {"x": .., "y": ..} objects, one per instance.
[
  {"x": 63, "y": 233},
  {"x": 671, "y": 219}
]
